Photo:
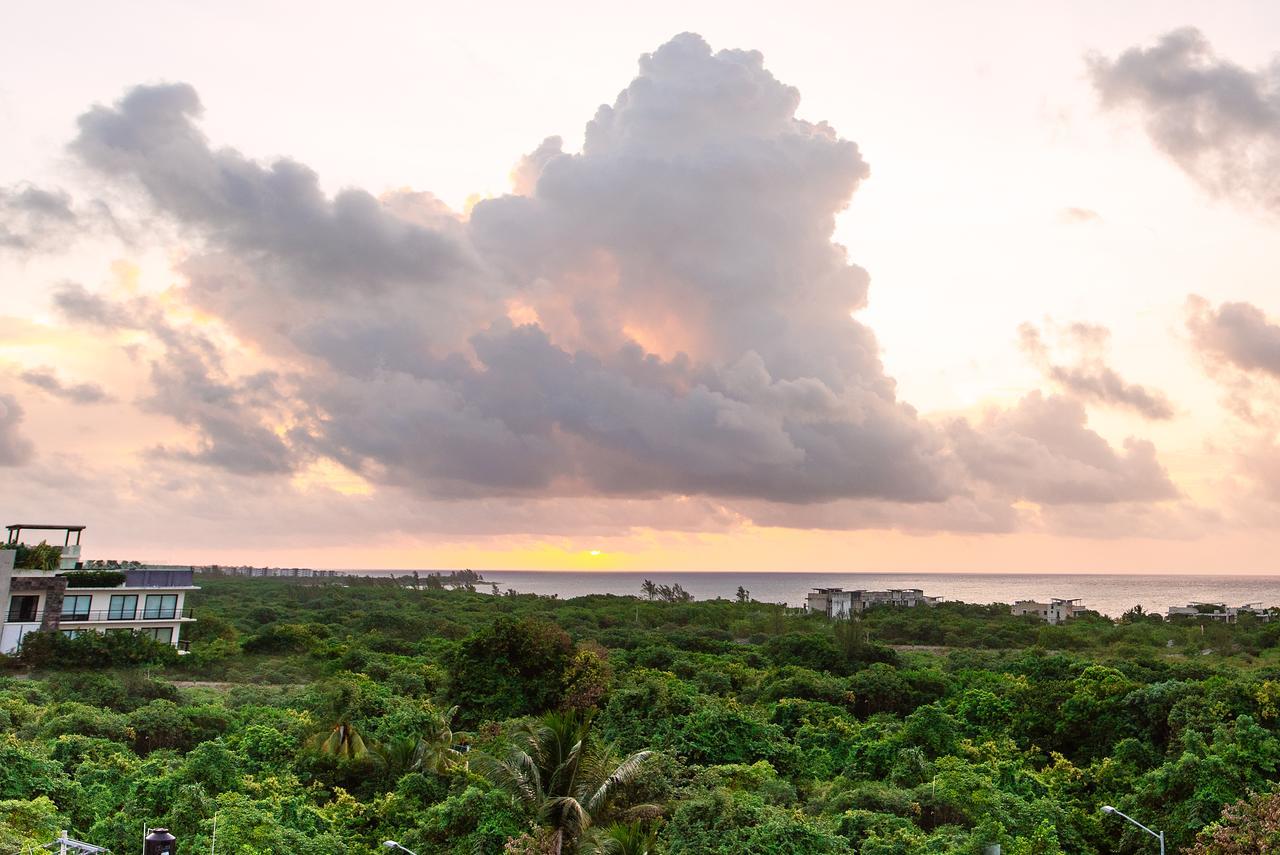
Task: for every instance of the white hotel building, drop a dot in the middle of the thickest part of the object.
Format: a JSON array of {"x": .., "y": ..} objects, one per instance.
[
  {"x": 149, "y": 600},
  {"x": 839, "y": 603}
]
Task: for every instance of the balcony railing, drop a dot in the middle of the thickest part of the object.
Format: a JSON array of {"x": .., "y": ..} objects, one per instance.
[{"x": 105, "y": 615}]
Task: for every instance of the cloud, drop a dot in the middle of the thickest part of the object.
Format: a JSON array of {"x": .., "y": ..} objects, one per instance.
[
  {"x": 1042, "y": 450},
  {"x": 78, "y": 393},
  {"x": 1218, "y": 121},
  {"x": 15, "y": 449},
  {"x": 36, "y": 219},
  {"x": 660, "y": 316},
  {"x": 31, "y": 217},
  {"x": 1089, "y": 378},
  {"x": 314, "y": 243},
  {"x": 1078, "y": 216},
  {"x": 191, "y": 385},
  {"x": 1239, "y": 348},
  {"x": 1234, "y": 334}
]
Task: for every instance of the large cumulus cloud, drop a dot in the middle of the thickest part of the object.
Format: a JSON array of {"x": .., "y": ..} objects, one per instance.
[
  {"x": 1219, "y": 121},
  {"x": 663, "y": 313}
]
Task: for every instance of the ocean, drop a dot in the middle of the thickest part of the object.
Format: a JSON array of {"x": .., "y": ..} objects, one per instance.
[{"x": 1111, "y": 594}]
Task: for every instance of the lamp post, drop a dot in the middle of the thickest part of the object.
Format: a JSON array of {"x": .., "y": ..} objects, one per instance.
[
  {"x": 1158, "y": 835},
  {"x": 391, "y": 844}
]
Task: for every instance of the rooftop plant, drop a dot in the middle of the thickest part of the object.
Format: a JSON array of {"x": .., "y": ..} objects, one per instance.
[
  {"x": 39, "y": 557},
  {"x": 94, "y": 579}
]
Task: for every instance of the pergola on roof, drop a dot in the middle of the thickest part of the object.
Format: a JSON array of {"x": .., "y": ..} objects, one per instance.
[{"x": 15, "y": 531}]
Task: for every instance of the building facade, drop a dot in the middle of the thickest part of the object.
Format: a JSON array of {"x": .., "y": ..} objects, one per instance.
[
  {"x": 1055, "y": 611},
  {"x": 839, "y": 603},
  {"x": 1221, "y": 612},
  {"x": 147, "y": 600}
]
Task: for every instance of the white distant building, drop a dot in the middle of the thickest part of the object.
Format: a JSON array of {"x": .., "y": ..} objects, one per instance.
[
  {"x": 149, "y": 600},
  {"x": 1220, "y": 611},
  {"x": 1055, "y": 611},
  {"x": 839, "y": 603}
]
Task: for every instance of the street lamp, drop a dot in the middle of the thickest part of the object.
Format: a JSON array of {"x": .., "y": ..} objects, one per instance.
[
  {"x": 1158, "y": 835},
  {"x": 391, "y": 844}
]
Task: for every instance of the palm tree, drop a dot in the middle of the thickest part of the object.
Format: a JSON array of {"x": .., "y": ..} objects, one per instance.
[
  {"x": 435, "y": 751},
  {"x": 622, "y": 839},
  {"x": 343, "y": 742},
  {"x": 398, "y": 755},
  {"x": 649, "y": 589},
  {"x": 556, "y": 770}
]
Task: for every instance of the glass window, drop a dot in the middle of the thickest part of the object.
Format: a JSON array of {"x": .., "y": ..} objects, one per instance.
[
  {"x": 159, "y": 633},
  {"x": 23, "y": 607},
  {"x": 71, "y": 633},
  {"x": 123, "y": 607},
  {"x": 160, "y": 607},
  {"x": 76, "y": 607}
]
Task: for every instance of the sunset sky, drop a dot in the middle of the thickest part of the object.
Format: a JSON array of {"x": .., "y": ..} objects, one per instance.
[{"x": 863, "y": 286}]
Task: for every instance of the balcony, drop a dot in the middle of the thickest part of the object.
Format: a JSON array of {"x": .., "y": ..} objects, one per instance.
[{"x": 124, "y": 615}]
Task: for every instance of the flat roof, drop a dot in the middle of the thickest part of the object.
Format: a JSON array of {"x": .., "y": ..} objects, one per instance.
[{"x": 43, "y": 527}]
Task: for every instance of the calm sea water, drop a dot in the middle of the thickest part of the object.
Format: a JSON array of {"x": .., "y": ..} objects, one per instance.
[{"x": 1111, "y": 594}]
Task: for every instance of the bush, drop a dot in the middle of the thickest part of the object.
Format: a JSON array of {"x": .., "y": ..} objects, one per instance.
[
  {"x": 39, "y": 557},
  {"x": 512, "y": 668},
  {"x": 94, "y": 579},
  {"x": 94, "y": 650}
]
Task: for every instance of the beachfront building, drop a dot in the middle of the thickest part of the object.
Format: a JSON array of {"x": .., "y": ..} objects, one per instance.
[
  {"x": 148, "y": 600},
  {"x": 1057, "y": 610},
  {"x": 839, "y": 603},
  {"x": 1221, "y": 612}
]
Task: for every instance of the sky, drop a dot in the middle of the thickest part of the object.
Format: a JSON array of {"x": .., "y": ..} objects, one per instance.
[{"x": 862, "y": 286}]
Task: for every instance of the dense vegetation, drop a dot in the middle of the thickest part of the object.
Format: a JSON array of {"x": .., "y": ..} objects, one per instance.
[{"x": 328, "y": 717}]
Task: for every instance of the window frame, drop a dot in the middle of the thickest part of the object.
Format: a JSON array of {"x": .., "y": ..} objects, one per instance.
[
  {"x": 153, "y": 632},
  {"x": 77, "y": 615},
  {"x": 16, "y": 616},
  {"x": 114, "y": 613},
  {"x": 162, "y": 610}
]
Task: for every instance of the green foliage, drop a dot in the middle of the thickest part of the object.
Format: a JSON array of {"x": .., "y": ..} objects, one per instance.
[
  {"x": 42, "y": 556},
  {"x": 94, "y": 650},
  {"x": 315, "y": 717},
  {"x": 560, "y": 774},
  {"x": 26, "y": 824},
  {"x": 510, "y": 668},
  {"x": 94, "y": 578}
]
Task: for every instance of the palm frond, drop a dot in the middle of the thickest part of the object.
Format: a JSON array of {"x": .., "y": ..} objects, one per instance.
[
  {"x": 621, "y": 839},
  {"x": 566, "y": 813},
  {"x": 515, "y": 773},
  {"x": 623, "y": 774}
]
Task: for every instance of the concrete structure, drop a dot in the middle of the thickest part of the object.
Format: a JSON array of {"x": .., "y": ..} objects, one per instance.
[
  {"x": 149, "y": 601},
  {"x": 1055, "y": 611},
  {"x": 839, "y": 603},
  {"x": 1220, "y": 611}
]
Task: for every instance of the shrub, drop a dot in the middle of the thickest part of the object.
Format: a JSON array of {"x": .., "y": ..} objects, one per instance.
[
  {"x": 94, "y": 579},
  {"x": 94, "y": 650}
]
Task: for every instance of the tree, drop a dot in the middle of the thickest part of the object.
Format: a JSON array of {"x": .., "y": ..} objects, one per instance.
[
  {"x": 744, "y": 596},
  {"x": 622, "y": 839},
  {"x": 435, "y": 751},
  {"x": 344, "y": 742},
  {"x": 649, "y": 589},
  {"x": 1248, "y": 826},
  {"x": 511, "y": 668},
  {"x": 559, "y": 773}
]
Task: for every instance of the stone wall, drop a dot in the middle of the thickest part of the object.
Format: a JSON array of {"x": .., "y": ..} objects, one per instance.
[{"x": 53, "y": 588}]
